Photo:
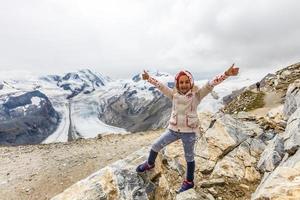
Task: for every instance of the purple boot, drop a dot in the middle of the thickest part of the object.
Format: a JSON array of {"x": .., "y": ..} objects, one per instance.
[
  {"x": 144, "y": 167},
  {"x": 186, "y": 185}
]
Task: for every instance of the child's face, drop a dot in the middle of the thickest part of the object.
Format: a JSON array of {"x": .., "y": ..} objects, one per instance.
[{"x": 184, "y": 84}]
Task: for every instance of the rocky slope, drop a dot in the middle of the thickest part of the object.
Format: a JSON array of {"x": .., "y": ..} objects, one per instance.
[
  {"x": 246, "y": 98},
  {"x": 283, "y": 181}
]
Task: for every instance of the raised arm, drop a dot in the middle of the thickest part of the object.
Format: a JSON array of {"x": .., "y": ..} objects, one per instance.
[
  {"x": 208, "y": 87},
  {"x": 163, "y": 88}
]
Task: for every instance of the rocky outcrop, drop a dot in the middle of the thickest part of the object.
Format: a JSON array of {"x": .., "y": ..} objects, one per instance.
[
  {"x": 283, "y": 78},
  {"x": 118, "y": 181},
  {"x": 292, "y": 110},
  {"x": 226, "y": 158},
  {"x": 227, "y": 138},
  {"x": 26, "y": 118},
  {"x": 283, "y": 182},
  {"x": 272, "y": 155},
  {"x": 274, "y": 120},
  {"x": 292, "y": 102},
  {"x": 244, "y": 100}
]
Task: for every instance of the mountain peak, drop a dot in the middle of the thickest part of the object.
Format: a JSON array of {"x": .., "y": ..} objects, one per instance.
[{"x": 83, "y": 80}]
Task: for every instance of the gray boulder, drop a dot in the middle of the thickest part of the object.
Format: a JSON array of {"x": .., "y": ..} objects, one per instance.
[
  {"x": 292, "y": 110},
  {"x": 292, "y": 101},
  {"x": 272, "y": 155},
  {"x": 283, "y": 182}
]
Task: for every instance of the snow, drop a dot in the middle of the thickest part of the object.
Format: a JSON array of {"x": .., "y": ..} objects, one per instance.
[
  {"x": 91, "y": 126},
  {"x": 61, "y": 133},
  {"x": 85, "y": 118},
  {"x": 36, "y": 101}
]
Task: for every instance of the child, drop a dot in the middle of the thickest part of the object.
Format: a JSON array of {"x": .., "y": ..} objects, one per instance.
[{"x": 184, "y": 120}]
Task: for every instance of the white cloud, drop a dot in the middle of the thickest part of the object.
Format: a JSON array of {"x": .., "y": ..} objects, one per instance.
[{"x": 120, "y": 38}]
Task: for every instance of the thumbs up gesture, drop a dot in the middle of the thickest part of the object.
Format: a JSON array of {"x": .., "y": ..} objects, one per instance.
[
  {"x": 232, "y": 71},
  {"x": 145, "y": 75}
]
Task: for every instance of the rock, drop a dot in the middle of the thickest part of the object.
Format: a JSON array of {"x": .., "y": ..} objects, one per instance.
[
  {"x": 257, "y": 146},
  {"x": 270, "y": 124},
  {"x": 243, "y": 154},
  {"x": 99, "y": 136},
  {"x": 292, "y": 101},
  {"x": 276, "y": 113},
  {"x": 116, "y": 181},
  {"x": 212, "y": 191},
  {"x": 283, "y": 182},
  {"x": 251, "y": 174},
  {"x": 267, "y": 136},
  {"x": 212, "y": 182},
  {"x": 191, "y": 194},
  {"x": 210, "y": 197},
  {"x": 226, "y": 134},
  {"x": 284, "y": 77},
  {"x": 238, "y": 164},
  {"x": 291, "y": 135},
  {"x": 188, "y": 195},
  {"x": 205, "y": 166},
  {"x": 163, "y": 191},
  {"x": 272, "y": 155},
  {"x": 229, "y": 167},
  {"x": 244, "y": 186}
]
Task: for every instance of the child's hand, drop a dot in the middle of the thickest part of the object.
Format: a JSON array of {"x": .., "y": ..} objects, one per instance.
[
  {"x": 232, "y": 71},
  {"x": 145, "y": 75}
]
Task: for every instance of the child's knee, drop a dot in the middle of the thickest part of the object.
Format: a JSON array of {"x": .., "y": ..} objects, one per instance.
[
  {"x": 156, "y": 147},
  {"x": 159, "y": 145},
  {"x": 189, "y": 157}
]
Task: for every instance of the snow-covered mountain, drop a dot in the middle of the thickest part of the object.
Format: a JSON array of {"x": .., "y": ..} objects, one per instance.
[
  {"x": 84, "y": 81},
  {"x": 137, "y": 105},
  {"x": 26, "y": 118},
  {"x": 88, "y": 103}
]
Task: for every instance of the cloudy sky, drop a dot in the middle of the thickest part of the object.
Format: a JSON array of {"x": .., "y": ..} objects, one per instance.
[{"x": 121, "y": 38}]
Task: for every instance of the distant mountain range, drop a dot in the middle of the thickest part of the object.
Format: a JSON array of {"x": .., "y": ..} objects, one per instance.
[
  {"x": 79, "y": 104},
  {"x": 84, "y": 104}
]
